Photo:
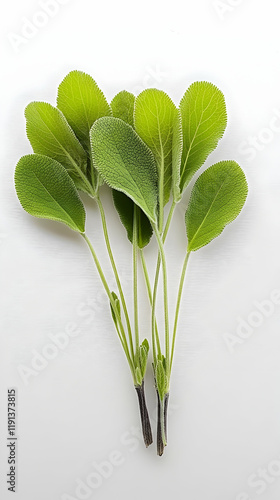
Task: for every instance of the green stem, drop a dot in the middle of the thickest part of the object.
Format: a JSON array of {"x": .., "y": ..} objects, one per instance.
[
  {"x": 168, "y": 222},
  {"x": 167, "y": 225},
  {"x": 135, "y": 279},
  {"x": 114, "y": 267},
  {"x": 161, "y": 198},
  {"x": 155, "y": 338},
  {"x": 179, "y": 297},
  {"x": 121, "y": 334},
  {"x": 84, "y": 178},
  {"x": 165, "y": 296}
]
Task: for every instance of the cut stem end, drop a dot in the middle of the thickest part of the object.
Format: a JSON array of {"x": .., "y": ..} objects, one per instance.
[
  {"x": 162, "y": 424},
  {"x": 145, "y": 421}
]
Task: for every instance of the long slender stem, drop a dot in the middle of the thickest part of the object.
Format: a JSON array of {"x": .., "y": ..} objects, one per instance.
[
  {"x": 165, "y": 296},
  {"x": 179, "y": 297},
  {"x": 155, "y": 338},
  {"x": 135, "y": 278},
  {"x": 114, "y": 267},
  {"x": 121, "y": 334},
  {"x": 168, "y": 221},
  {"x": 167, "y": 225}
]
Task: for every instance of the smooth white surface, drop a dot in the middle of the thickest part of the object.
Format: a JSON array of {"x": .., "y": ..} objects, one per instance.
[{"x": 224, "y": 406}]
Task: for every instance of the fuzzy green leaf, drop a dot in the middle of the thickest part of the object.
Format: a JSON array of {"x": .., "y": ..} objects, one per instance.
[
  {"x": 50, "y": 134},
  {"x": 216, "y": 200},
  {"x": 118, "y": 307},
  {"x": 204, "y": 121},
  {"x": 161, "y": 379},
  {"x": 45, "y": 190},
  {"x": 125, "y": 208},
  {"x": 125, "y": 162},
  {"x": 123, "y": 106},
  {"x": 144, "y": 351},
  {"x": 154, "y": 115},
  {"x": 138, "y": 376},
  {"x": 82, "y": 102},
  {"x": 177, "y": 149}
]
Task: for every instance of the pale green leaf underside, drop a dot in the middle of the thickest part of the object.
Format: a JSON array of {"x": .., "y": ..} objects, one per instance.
[
  {"x": 216, "y": 200},
  {"x": 125, "y": 208},
  {"x": 154, "y": 115},
  {"x": 45, "y": 190},
  {"x": 125, "y": 162},
  {"x": 122, "y": 106},
  {"x": 204, "y": 121},
  {"x": 82, "y": 102}
]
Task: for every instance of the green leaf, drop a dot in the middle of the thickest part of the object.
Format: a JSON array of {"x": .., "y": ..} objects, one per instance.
[
  {"x": 125, "y": 162},
  {"x": 161, "y": 379},
  {"x": 45, "y": 190},
  {"x": 82, "y": 102},
  {"x": 50, "y": 134},
  {"x": 138, "y": 376},
  {"x": 216, "y": 200},
  {"x": 204, "y": 121},
  {"x": 154, "y": 115},
  {"x": 177, "y": 149},
  {"x": 125, "y": 209},
  {"x": 123, "y": 106},
  {"x": 144, "y": 351},
  {"x": 118, "y": 307}
]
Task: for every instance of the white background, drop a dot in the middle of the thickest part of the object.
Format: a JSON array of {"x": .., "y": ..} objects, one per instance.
[{"x": 224, "y": 417}]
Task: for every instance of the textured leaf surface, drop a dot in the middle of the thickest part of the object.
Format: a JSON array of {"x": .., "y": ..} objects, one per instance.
[
  {"x": 82, "y": 102},
  {"x": 45, "y": 190},
  {"x": 161, "y": 379},
  {"x": 204, "y": 121},
  {"x": 123, "y": 106},
  {"x": 118, "y": 307},
  {"x": 125, "y": 209},
  {"x": 216, "y": 200},
  {"x": 144, "y": 351},
  {"x": 50, "y": 134},
  {"x": 177, "y": 149},
  {"x": 154, "y": 115},
  {"x": 125, "y": 162}
]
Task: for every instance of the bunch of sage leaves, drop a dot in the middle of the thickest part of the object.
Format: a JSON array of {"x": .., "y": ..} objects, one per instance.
[{"x": 147, "y": 151}]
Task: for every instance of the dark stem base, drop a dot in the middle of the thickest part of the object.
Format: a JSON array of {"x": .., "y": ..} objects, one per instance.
[
  {"x": 162, "y": 407},
  {"x": 145, "y": 421}
]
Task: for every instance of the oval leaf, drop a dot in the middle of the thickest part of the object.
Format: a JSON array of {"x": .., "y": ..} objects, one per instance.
[
  {"x": 125, "y": 208},
  {"x": 154, "y": 118},
  {"x": 82, "y": 102},
  {"x": 204, "y": 121},
  {"x": 45, "y": 190},
  {"x": 123, "y": 106},
  {"x": 216, "y": 200},
  {"x": 50, "y": 134},
  {"x": 125, "y": 162}
]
